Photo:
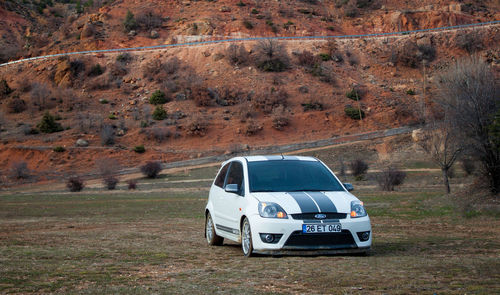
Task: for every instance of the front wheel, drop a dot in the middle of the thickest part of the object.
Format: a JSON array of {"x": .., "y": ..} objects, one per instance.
[
  {"x": 212, "y": 238},
  {"x": 246, "y": 238}
]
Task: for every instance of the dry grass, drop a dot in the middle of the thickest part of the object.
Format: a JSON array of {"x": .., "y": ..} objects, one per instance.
[{"x": 151, "y": 241}]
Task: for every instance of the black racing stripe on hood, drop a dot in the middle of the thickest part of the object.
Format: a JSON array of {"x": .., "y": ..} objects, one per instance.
[
  {"x": 323, "y": 201},
  {"x": 305, "y": 202}
]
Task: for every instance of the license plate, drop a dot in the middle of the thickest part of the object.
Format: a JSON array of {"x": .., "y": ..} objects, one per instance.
[{"x": 321, "y": 228}]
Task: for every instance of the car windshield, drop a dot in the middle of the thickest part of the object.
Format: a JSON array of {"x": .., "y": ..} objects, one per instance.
[{"x": 291, "y": 175}]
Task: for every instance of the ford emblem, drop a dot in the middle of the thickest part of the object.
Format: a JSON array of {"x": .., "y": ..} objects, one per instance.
[{"x": 320, "y": 216}]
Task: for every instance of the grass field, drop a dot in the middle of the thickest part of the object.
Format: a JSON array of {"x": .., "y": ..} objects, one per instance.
[{"x": 150, "y": 241}]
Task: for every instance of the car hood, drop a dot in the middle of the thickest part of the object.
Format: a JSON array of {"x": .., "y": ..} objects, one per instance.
[{"x": 309, "y": 202}]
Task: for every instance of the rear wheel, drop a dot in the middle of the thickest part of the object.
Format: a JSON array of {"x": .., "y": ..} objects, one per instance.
[
  {"x": 246, "y": 238},
  {"x": 212, "y": 238}
]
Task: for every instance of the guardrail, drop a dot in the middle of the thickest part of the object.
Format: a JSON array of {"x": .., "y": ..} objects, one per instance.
[{"x": 252, "y": 39}]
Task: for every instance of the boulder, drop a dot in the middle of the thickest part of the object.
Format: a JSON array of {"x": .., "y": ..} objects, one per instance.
[
  {"x": 154, "y": 34},
  {"x": 82, "y": 143}
]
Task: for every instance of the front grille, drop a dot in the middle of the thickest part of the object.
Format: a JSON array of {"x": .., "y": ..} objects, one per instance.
[
  {"x": 340, "y": 240},
  {"x": 310, "y": 216}
]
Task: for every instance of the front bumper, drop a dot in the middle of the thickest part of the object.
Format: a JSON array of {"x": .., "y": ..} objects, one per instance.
[{"x": 292, "y": 239}]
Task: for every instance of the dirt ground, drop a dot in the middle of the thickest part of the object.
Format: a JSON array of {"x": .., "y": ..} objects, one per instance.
[{"x": 150, "y": 241}]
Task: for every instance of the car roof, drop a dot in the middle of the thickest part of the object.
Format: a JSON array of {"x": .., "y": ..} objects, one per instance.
[{"x": 279, "y": 157}]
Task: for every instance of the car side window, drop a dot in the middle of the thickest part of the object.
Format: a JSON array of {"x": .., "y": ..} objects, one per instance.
[
  {"x": 235, "y": 175},
  {"x": 222, "y": 176}
]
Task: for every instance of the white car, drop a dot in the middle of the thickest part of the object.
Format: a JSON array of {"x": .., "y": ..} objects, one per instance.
[{"x": 285, "y": 204}]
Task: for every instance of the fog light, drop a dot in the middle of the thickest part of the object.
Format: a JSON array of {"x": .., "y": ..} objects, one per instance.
[
  {"x": 364, "y": 236},
  {"x": 270, "y": 238}
]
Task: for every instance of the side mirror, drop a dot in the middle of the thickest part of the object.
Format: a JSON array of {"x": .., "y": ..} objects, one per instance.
[
  {"x": 232, "y": 188},
  {"x": 348, "y": 187}
]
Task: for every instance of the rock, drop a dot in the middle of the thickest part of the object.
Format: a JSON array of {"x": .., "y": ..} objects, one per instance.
[
  {"x": 206, "y": 53},
  {"x": 154, "y": 34},
  {"x": 225, "y": 9},
  {"x": 417, "y": 135},
  {"x": 120, "y": 132},
  {"x": 424, "y": 41},
  {"x": 88, "y": 30},
  {"x": 180, "y": 97},
  {"x": 217, "y": 56},
  {"x": 82, "y": 143},
  {"x": 132, "y": 33}
]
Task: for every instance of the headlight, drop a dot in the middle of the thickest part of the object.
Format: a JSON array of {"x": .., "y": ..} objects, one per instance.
[
  {"x": 357, "y": 209},
  {"x": 271, "y": 210}
]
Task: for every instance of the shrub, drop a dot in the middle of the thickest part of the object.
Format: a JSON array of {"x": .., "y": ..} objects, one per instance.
[
  {"x": 353, "y": 94},
  {"x": 124, "y": 57},
  {"x": 131, "y": 184},
  {"x": 110, "y": 182},
  {"x": 197, "y": 126},
  {"x": 76, "y": 67},
  {"x": 158, "y": 133},
  {"x": 19, "y": 170},
  {"x": 16, "y": 105},
  {"x": 107, "y": 135},
  {"x": 312, "y": 106},
  {"x": 247, "y": 24},
  {"x": 468, "y": 41},
  {"x": 158, "y": 97},
  {"x": 75, "y": 184},
  {"x": 325, "y": 56},
  {"x": 108, "y": 169},
  {"x": 358, "y": 169},
  {"x": 267, "y": 102},
  {"x": 48, "y": 124},
  {"x": 354, "y": 113},
  {"x": 95, "y": 70},
  {"x": 103, "y": 101},
  {"x": 4, "y": 88},
  {"x": 236, "y": 54},
  {"x": 280, "y": 121},
  {"x": 252, "y": 128},
  {"x": 306, "y": 59},
  {"x": 390, "y": 177},
  {"x": 140, "y": 149},
  {"x": 410, "y": 92},
  {"x": 159, "y": 113},
  {"x": 172, "y": 65},
  {"x": 59, "y": 149},
  {"x": 151, "y": 169},
  {"x": 271, "y": 56},
  {"x": 412, "y": 54},
  {"x": 129, "y": 23},
  {"x": 468, "y": 166},
  {"x": 240, "y": 4},
  {"x": 112, "y": 117},
  {"x": 149, "y": 20},
  {"x": 254, "y": 11}
]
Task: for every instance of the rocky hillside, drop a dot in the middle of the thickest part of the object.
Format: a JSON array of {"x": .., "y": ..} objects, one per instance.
[{"x": 62, "y": 115}]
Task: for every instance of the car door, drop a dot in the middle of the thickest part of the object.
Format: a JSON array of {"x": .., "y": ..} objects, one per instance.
[{"x": 228, "y": 204}]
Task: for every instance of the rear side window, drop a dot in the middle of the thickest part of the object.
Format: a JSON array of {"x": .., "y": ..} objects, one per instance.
[{"x": 219, "y": 181}]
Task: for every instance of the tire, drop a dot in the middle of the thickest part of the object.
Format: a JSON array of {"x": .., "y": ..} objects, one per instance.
[
  {"x": 212, "y": 238},
  {"x": 246, "y": 238}
]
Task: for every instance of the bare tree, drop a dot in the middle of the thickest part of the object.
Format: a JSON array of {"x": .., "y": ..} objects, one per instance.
[
  {"x": 470, "y": 96},
  {"x": 108, "y": 169},
  {"x": 2, "y": 120},
  {"x": 19, "y": 170},
  {"x": 40, "y": 94},
  {"x": 271, "y": 56},
  {"x": 440, "y": 141}
]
